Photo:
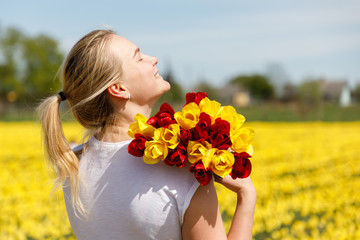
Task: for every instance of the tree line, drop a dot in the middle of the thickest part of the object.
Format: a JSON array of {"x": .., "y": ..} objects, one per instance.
[{"x": 29, "y": 67}]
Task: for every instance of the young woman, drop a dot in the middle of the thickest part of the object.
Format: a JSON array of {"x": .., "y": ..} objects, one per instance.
[{"x": 109, "y": 193}]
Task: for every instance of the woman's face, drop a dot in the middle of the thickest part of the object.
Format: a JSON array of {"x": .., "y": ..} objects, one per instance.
[{"x": 140, "y": 74}]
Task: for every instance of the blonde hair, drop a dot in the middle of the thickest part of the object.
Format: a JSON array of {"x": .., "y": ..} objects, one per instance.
[{"x": 89, "y": 69}]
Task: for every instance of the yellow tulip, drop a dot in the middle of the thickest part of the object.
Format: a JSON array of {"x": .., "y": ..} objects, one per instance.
[
  {"x": 197, "y": 150},
  {"x": 229, "y": 114},
  {"x": 155, "y": 151},
  {"x": 210, "y": 107},
  {"x": 293, "y": 175},
  {"x": 250, "y": 150},
  {"x": 189, "y": 116},
  {"x": 241, "y": 140},
  {"x": 140, "y": 126},
  {"x": 220, "y": 161},
  {"x": 170, "y": 135}
]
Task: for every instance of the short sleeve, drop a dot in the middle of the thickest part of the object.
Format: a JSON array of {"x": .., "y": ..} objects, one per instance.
[{"x": 187, "y": 200}]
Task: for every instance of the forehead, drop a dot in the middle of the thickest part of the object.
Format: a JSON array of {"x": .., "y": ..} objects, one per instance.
[{"x": 122, "y": 47}]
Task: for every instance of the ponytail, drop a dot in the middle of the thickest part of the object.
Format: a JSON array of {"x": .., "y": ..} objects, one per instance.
[
  {"x": 57, "y": 149},
  {"x": 88, "y": 70}
]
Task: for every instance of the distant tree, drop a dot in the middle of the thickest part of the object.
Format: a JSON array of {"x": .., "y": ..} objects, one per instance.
[
  {"x": 278, "y": 78},
  {"x": 259, "y": 86},
  {"x": 28, "y": 66},
  {"x": 356, "y": 92},
  {"x": 10, "y": 50},
  {"x": 289, "y": 92},
  {"x": 309, "y": 98},
  {"x": 211, "y": 91},
  {"x": 176, "y": 93},
  {"x": 42, "y": 59},
  {"x": 309, "y": 92}
]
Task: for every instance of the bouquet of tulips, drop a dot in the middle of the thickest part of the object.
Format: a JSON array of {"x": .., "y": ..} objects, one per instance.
[{"x": 209, "y": 136}]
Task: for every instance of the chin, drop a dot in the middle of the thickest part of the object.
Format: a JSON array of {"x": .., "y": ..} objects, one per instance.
[
  {"x": 167, "y": 87},
  {"x": 161, "y": 90}
]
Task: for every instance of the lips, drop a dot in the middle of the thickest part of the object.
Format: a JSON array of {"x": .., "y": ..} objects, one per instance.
[{"x": 157, "y": 74}]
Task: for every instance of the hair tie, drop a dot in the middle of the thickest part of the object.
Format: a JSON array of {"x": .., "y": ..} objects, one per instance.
[{"x": 62, "y": 95}]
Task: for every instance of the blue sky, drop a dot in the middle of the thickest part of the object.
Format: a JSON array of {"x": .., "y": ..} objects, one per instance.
[{"x": 213, "y": 40}]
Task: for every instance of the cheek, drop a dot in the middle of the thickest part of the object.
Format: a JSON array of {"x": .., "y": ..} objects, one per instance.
[
  {"x": 143, "y": 75},
  {"x": 135, "y": 78}
]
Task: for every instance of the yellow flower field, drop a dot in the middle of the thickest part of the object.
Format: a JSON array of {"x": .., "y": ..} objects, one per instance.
[{"x": 307, "y": 177}]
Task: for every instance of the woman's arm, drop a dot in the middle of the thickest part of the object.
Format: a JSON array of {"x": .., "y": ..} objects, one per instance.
[{"x": 203, "y": 218}]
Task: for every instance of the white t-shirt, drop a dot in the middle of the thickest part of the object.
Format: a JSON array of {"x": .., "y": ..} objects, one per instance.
[{"x": 127, "y": 198}]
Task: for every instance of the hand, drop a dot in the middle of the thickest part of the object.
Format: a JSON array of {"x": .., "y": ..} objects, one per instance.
[
  {"x": 241, "y": 227},
  {"x": 202, "y": 219},
  {"x": 243, "y": 187}
]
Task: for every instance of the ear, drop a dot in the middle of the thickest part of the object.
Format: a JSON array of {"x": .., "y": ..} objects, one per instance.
[{"x": 119, "y": 91}]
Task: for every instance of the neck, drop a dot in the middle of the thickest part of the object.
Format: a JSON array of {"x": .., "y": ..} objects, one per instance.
[
  {"x": 114, "y": 134},
  {"x": 124, "y": 116}
]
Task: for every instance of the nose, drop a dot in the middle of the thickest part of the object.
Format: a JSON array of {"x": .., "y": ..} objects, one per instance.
[{"x": 154, "y": 61}]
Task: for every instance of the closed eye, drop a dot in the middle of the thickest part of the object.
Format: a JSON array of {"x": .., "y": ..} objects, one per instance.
[
  {"x": 137, "y": 53},
  {"x": 140, "y": 56}
]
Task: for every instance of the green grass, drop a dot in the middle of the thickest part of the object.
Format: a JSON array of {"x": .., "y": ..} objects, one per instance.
[
  {"x": 291, "y": 113},
  {"x": 18, "y": 115},
  {"x": 273, "y": 112}
]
